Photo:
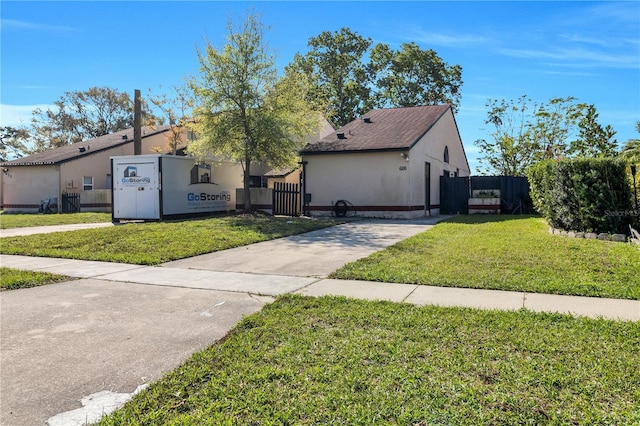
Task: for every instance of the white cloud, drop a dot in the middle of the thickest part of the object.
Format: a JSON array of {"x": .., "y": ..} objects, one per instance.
[
  {"x": 579, "y": 38},
  {"x": 569, "y": 73},
  {"x": 18, "y": 115},
  {"x": 14, "y": 24},
  {"x": 580, "y": 57},
  {"x": 620, "y": 12},
  {"x": 446, "y": 39}
]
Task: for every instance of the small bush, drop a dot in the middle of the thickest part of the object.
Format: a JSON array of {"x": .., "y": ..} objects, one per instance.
[{"x": 584, "y": 194}]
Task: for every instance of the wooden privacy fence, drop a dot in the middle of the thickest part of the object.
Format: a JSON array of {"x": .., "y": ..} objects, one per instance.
[
  {"x": 286, "y": 199},
  {"x": 456, "y": 191}
]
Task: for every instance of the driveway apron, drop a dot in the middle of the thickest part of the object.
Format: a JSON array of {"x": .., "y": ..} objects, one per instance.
[{"x": 65, "y": 341}]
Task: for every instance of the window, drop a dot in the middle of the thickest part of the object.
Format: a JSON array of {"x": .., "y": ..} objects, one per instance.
[
  {"x": 446, "y": 154},
  {"x": 87, "y": 183},
  {"x": 201, "y": 173},
  {"x": 257, "y": 182}
]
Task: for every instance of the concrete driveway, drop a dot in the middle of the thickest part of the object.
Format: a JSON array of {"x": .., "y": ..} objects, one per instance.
[
  {"x": 314, "y": 254},
  {"x": 66, "y": 341}
]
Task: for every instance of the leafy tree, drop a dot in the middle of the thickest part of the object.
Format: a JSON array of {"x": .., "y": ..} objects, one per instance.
[
  {"x": 339, "y": 78},
  {"x": 243, "y": 111},
  {"x": 554, "y": 124},
  {"x": 594, "y": 140},
  {"x": 78, "y": 116},
  {"x": 412, "y": 76},
  {"x": 347, "y": 82},
  {"x": 631, "y": 149},
  {"x": 524, "y": 135},
  {"x": 512, "y": 148},
  {"x": 13, "y": 142},
  {"x": 630, "y": 152},
  {"x": 176, "y": 109}
]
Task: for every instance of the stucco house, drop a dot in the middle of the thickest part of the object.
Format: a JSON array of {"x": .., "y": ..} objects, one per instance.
[
  {"x": 387, "y": 163},
  {"x": 83, "y": 168}
]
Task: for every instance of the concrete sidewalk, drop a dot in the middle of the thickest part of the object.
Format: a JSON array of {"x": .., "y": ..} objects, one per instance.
[
  {"x": 17, "y": 232},
  {"x": 275, "y": 285}
]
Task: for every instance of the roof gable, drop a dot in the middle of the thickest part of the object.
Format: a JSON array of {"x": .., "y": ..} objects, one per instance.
[
  {"x": 381, "y": 130},
  {"x": 84, "y": 148}
]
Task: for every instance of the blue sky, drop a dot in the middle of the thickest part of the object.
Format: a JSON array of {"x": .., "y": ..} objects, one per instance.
[{"x": 589, "y": 50}]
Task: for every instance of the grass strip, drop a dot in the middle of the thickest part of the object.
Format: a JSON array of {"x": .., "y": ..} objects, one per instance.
[
  {"x": 12, "y": 279},
  {"x": 11, "y": 220},
  {"x": 506, "y": 253},
  {"x": 158, "y": 242},
  {"x": 336, "y": 361}
]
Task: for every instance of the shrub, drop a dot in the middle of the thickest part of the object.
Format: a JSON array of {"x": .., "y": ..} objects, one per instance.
[{"x": 584, "y": 194}]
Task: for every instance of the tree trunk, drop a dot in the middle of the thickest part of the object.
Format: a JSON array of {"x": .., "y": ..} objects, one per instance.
[{"x": 247, "y": 190}]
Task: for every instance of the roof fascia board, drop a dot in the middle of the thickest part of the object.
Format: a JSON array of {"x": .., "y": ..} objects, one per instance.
[{"x": 354, "y": 151}]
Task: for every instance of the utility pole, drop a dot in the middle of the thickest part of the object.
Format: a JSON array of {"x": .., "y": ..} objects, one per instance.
[{"x": 137, "y": 124}]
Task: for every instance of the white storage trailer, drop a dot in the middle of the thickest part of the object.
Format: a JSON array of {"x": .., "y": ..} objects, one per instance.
[{"x": 154, "y": 187}]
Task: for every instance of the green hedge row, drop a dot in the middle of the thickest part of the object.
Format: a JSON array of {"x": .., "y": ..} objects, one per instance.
[{"x": 584, "y": 194}]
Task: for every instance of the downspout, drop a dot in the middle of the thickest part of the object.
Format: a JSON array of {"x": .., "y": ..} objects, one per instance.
[
  {"x": 304, "y": 187},
  {"x": 59, "y": 200},
  {"x": 409, "y": 188}
]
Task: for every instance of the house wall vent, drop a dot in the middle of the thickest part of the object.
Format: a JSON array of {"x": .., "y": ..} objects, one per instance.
[
  {"x": 367, "y": 119},
  {"x": 125, "y": 137},
  {"x": 341, "y": 135},
  {"x": 81, "y": 148}
]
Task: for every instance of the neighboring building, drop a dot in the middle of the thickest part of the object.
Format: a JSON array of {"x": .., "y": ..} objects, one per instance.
[
  {"x": 293, "y": 175},
  {"x": 82, "y": 168},
  {"x": 388, "y": 163},
  {"x": 286, "y": 175}
]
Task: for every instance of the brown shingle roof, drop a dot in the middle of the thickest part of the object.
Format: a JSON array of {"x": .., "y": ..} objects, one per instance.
[
  {"x": 280, "y": 172},
  {"x": 382, "y": 129},
  {"x": 75, "y": 151}
]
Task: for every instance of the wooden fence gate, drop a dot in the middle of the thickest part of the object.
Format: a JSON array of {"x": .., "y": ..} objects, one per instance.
[
  {"x": 70, "y": 203},
  {"x": 454, "y": 195},
  {"x": 286, "y": 199}
]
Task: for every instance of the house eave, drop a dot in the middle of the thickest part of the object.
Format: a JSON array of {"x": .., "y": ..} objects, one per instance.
[
  {"x": 356, "y": 151},
  {"x": 42, "y": 163}
]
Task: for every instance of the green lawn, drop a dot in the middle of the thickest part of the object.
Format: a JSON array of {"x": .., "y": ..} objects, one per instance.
[
  {"x": 507, "y": 253},
  {"x": 157, "y": 242},
  {"x": 333, "y": 361},
  {"x": 10, "y": 220},
  {"x": 12, "y": 279}
]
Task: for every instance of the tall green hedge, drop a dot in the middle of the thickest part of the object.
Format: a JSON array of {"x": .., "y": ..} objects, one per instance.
[{"x": 583, "y": 194}]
